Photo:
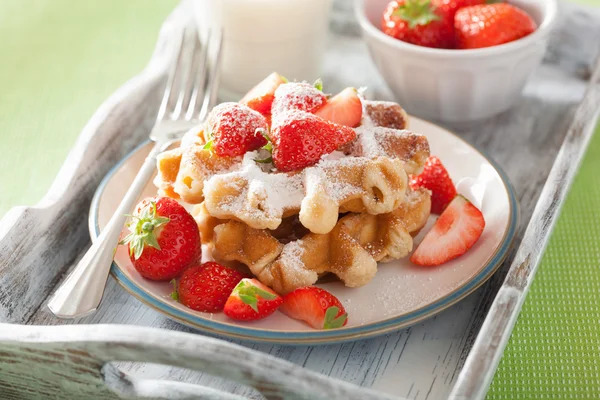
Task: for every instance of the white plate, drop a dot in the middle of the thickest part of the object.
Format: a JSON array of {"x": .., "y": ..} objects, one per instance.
[{"x": 400, "y": 295}]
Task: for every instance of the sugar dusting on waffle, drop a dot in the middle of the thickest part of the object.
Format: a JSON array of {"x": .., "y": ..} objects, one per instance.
[
  {"x": 279, "y": 192},
  {"x": 302, "y": 95}
]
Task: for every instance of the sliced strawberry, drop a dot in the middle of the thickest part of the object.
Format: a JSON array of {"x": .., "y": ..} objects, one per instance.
[
  {"x": 345, "y": 108},
  {"x": 300, "y": 139},
  {"x": 315, "y": 306},
  {"x": 207, "y": 287},
  {"x": 251, "y": 300},
  {"x": 234, "y": 129},
  {"x": 260, "y": 97},
  {"x": 297, "y": 96},
  {"x": 455, "y": 232},
  {"x": 435, "y": 178}
]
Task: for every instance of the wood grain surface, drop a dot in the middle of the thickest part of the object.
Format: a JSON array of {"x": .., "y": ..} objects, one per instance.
[{"x": 421, "y": 362}]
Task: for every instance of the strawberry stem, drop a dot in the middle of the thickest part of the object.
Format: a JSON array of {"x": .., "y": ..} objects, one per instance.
[
  {"x": 174, "y": 293},
  {"x": 416, "y": 12},
  {"x": 142, "y": 229}
]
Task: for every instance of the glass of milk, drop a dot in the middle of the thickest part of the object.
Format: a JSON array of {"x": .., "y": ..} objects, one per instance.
[{"x": 263, "y": 36}]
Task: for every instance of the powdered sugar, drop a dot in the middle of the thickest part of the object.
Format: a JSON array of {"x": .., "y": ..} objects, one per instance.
[
  {"x": 237, "y": 118},
  {"x": 255, "y": 190},
  {"x": 192, "y": 137},
  {"x": 291, "y": 256},
  {"x": 334, "y": 156},
  {"x": 298, "y": 96},
  {"x": 275, "y": 193}
]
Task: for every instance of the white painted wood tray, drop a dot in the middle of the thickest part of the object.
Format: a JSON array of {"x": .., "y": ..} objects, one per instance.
[{"x": 127, "y": 350}]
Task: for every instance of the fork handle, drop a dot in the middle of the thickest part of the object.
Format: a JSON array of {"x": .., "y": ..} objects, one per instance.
[{"x": 81, "y": 292}]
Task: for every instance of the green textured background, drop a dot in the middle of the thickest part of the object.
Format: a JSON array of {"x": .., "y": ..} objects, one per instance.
[
  {"x": 61, "y": 58},
  {"x": 554, "y": 351}
]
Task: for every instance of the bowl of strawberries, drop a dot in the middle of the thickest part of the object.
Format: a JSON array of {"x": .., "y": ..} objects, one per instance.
[{"x": 456, "y": 60}]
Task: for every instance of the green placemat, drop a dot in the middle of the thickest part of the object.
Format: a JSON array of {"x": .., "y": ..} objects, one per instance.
[
  {"x": 554, "y": 351},
  {"x": 60, "y": 60}
]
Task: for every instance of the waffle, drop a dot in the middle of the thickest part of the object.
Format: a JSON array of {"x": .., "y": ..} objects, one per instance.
[
  {"x": 373, "y": 180},
  {"x": 317, "y": 194},
  {"x": 341, "y": 216},
  {"x": 350, "y": 250}
]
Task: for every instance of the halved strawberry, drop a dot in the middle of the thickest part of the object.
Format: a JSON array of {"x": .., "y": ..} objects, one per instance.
[
  {"x": 297, "y": 96},
  {"x": 207, "y": 287},
  {"x": 260, "y": 97},
  {"x": 300, "y": 139},
  {"x": 315, "y": 306},
  {"x": 455, "y": 232},
  {"x": 251, "y": 300},
  {"x": 234, "y": 129},
  {"x": 435, "y": 178},
  {"x": 344, "y": 108}
]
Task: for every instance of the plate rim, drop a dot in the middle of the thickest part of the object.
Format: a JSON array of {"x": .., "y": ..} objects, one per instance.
[{"x": 318, "y": 336}]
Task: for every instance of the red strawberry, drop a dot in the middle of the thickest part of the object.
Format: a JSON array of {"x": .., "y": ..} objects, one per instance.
[
  {"x": 450, "y": 7},
  {"x": 206, "y": 287},
  {"x": 455, "y": 232},
  {"x": 164, "y": 239},
  {"x": 345, "y": 108},
  {"x": 235, "y": 129},
  {"x": 261, "y": 96},
  {"x": 419, "y": 22},
  {"x": 317, "y": 307},
  {"x": 297, "y": 96},
  {"x": 435, "y": 178},
  {"x": 251, "y": 300},
  {"x": 490, "y": 25},
  {"x": 300, "y": 139}
]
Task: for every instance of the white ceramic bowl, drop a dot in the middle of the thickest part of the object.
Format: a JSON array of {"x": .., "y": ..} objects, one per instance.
[{"x": 456, "y": 85}]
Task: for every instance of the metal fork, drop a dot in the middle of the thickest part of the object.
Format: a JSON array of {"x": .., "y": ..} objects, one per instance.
[{"x": 190, "y": 93}]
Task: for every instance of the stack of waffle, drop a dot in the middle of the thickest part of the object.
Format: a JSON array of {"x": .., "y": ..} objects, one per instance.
[{"x": 341, "y": 216}]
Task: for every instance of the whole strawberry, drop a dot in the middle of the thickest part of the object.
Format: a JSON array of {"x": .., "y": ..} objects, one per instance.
[
  {"x": 206, "y": 287},
  {"x": 419, "y": 22},
  {"x": 234, "y": 129},
  {"x": 300, "y": 139},
  {"x": 251, "y": 300},
  {"x": 450, "y": 7},
  {"x": 490, "y": 25},
  {"x": 435, "y": 178},
  {"x": 164, "y": 239}
]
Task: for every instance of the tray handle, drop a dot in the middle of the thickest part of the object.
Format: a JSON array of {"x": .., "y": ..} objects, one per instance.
[{"x": 76, "y": 360}]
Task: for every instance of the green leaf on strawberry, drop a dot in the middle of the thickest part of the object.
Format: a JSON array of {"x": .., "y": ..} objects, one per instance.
[
  {"x": 268, "y": 147},
  {"x": 248, "y": 294},
  {"x": 416, "y": 12},
  {"x": 318, "y": 84},
  {"x": 331, "y": 319},
  {"x": 143, "y": 230},
  {"x": 208, "y": 145}
]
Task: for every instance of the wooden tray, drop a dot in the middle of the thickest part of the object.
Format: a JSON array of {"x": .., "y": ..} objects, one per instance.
[{"x": 539, "y": 144}]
